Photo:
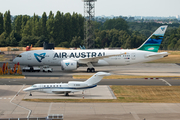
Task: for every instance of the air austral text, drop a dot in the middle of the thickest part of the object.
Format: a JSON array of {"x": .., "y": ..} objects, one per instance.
[{"x": 78, "y": 54}]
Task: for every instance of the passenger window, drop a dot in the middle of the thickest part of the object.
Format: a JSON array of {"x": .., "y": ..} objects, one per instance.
[{"x": 53, "y": 85}]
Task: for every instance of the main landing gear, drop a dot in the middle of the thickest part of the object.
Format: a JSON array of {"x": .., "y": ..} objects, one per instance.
[
  {"x": 66, "y": 94},
  {"x": 90, "y": 67},
  {"x": 90, "y": 70},
  {"x": 30, "y": 94}
]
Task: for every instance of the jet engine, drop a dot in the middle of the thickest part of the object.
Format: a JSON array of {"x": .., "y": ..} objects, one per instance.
[
  {"x": 69, "y": 65},
  {"x": 75, "y": 84}
]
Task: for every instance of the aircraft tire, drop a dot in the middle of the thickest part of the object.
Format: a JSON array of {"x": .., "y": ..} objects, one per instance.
[
  {"x": 92, "y": 70},
  {"x": 88, "y": 70}
]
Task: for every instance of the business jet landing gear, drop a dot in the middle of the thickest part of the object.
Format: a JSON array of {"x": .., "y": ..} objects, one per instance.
[
  {"x": 90, "y": 70},
  {"x": 66, "y": 94},
  {"x": 90, "y": 67},
  {"x": 30, "y": 94}
]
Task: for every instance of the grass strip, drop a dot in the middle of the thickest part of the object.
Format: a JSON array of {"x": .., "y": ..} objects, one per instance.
[
  {"x": 130, "y": 94},
  {"x": 122, "y": 77},
  {"x": 2, "y": 58},
  {"x": 12, "y": 76}
]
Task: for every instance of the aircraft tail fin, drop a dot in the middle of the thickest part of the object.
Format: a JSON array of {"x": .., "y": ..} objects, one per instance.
[
  {"x": 154, "y": 41},
  {"x": 96, "y": 78}
]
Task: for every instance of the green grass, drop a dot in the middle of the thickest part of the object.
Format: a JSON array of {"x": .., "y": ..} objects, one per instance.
[
  {"x": 12, "y": 76},
  {"x": 129, "y": 94},
  {"x": 121, "y": 77},
  {"x": 173, "y": 57},
  {"x": 2, "y": 58}
]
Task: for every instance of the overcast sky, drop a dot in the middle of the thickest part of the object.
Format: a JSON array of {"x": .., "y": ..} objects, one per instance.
[{"x": 102, "y": 7}]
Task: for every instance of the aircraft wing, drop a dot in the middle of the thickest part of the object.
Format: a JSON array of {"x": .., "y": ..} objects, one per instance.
[
  {"x": 61, "y": 92},
  {"x": 164, "y": 54},
  {"x": 65, "y": 91},
  {"x": 95, "y": 59}
]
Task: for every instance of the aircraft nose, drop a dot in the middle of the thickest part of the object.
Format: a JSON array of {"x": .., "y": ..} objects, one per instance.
[
  {"x": 26, "y": 89},
  {"x": 15, "y": 61}
]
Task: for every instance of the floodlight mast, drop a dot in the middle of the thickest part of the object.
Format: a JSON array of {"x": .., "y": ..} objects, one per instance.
[{"x": 89, "y": 14}]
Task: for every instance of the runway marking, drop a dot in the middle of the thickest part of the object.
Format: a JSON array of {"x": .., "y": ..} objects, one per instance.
[
  {"x": 50, "y": 108},
  {"x": 165, "y": 82},
  {"x": 4, "y": 98},
  {"x": 20, "y": 105},
  {"x": 136, "y": 117}
]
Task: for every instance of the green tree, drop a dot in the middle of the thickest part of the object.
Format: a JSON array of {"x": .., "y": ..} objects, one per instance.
[
  {"x": 36, "y": 27},
  {"x": 13, "y": 41},
  {"x": 3, "y": 39},
  {"x": 27, "y": 29},
  {"x": 1, "y": 24},
  {"x": 43, "y": 22},
  {"x": 75, "y": 24},
  {"x": 81, "y": 26},
  {"x": 58, "y": 28},
  {"x": 36, "y": 31},
  {"x": 50, "y": 27},
  {"x": 7, "y": 23},
  {"x": 18, "y": 24},
  {"x": 76, "y": 42},
  {"x": 25, "y": 18},
  {"x": 67, "y": 27}
]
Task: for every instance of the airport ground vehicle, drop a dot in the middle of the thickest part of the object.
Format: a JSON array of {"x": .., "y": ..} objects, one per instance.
[
  {"x": 31, "y": 69},
  {"x": 47, "y": 69}
]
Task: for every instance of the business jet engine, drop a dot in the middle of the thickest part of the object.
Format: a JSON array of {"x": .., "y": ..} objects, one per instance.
[
  {"x": 69, "y": 65},
  {"x": 76, "y": 84}
]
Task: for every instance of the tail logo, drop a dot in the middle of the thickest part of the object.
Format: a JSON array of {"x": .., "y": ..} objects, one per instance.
[
  {"x": 151, "y": 48},
  {"x": 39, "y": 57},
  {"x": 162, "y": 28}
]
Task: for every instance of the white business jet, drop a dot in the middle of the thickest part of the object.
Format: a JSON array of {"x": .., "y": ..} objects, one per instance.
[
  {"x": 72, "y": 59},
  {"x": 66, "y": 88}
]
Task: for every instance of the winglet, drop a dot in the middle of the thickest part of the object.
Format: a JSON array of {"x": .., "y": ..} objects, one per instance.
[{"x": 96, "y": 78}]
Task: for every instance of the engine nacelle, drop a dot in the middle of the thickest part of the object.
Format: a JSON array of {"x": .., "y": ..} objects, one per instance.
[
  {"x": 69, "y": 65},
  {"x": 75, "y": 84}
]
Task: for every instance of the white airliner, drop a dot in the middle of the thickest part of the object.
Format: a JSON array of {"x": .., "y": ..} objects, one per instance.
[
  {"x": 66, "y": 88},
  {"x": 72, "y": 59}
]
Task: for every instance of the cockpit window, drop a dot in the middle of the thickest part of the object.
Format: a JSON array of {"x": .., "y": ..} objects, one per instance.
[
  {"x": 19, "y": 55},
  {"x": 34, "y": 86}
]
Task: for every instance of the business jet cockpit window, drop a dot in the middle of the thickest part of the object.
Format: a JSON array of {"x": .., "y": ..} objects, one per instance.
[
  {"x": 19, "y": 55},
  {"x": 34, "y": 86}
]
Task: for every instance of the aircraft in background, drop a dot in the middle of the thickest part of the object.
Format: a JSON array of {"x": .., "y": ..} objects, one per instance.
[
  {"x": 72, "y": 59},
  {"x": 66, "y": 88}
]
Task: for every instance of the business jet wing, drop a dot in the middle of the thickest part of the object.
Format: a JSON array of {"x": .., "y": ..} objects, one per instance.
[
  {"x": 95, "y": 59},
  {"x": 164, "y": 54},
  {"x": 61, "y": 92}
]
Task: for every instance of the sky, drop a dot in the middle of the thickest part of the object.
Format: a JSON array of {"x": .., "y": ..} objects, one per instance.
[{"x": 161, "y": 8}]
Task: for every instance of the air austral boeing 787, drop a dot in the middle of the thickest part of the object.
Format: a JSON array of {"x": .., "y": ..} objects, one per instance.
[{"x": 72, "y": 59}]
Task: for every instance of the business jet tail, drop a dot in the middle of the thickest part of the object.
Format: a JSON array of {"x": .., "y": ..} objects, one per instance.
[
  {"x": 96, "y": 78},
  {"x": 154, "y": 41}
]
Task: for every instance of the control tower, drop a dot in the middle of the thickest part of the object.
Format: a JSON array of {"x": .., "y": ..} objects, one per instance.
[{"x": 89, "y": 14}]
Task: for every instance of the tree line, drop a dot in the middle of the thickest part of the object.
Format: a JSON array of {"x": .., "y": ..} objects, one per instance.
[
  {"x": 66, "y": 30},
  {"x": 59, "y": 29}
]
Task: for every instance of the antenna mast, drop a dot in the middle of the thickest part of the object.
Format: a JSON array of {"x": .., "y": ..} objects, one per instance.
[{"x": 89, "y": 14}]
